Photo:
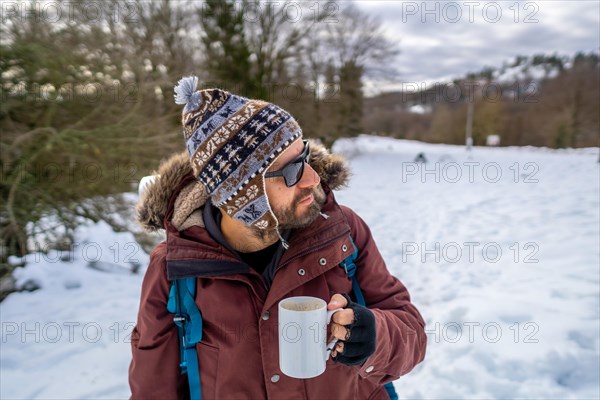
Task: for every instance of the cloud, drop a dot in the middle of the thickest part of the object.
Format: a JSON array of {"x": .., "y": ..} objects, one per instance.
[{"x": 442, "y": 39}]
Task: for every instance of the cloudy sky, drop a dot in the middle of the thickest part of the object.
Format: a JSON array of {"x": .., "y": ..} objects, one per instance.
[{"x": 440, "y": 40}]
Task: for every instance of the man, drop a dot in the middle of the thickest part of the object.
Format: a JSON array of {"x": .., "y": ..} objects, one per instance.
[{"x": 249, "y": 212}]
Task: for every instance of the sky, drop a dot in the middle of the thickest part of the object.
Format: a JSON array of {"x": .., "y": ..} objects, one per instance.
[{"x": 441, "y": 40}]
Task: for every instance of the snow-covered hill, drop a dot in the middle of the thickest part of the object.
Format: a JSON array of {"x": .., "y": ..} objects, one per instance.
[{"x": 499, "y": 248}]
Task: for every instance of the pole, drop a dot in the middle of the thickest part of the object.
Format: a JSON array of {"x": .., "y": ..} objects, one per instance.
[{"x": 469, "y": 128}]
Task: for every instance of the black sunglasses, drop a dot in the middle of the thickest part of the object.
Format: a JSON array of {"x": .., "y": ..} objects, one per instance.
[{"x": 292, "y": 172}]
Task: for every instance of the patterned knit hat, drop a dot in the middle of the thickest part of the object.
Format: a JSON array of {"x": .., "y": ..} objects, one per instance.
[{"x": 232, "y": 141}]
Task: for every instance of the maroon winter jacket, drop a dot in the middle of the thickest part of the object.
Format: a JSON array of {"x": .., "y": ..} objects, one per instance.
[{"x": 238, "y": 355}]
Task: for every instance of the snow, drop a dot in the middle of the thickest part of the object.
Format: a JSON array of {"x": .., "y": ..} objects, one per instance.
[
  {"x": 419, "y": 109},
  {"x": 499, "y": 248},
  {"x": 526, "y": 72},
  {"x": 498, "y": 327},
  {"x": 70, "y": 338}
]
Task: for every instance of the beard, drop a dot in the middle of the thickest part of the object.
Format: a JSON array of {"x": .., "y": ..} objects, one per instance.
[{"x": 288, "y": 217}]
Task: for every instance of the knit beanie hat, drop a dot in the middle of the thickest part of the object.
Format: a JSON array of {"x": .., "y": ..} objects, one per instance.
[{"x": 232, "y": 141}]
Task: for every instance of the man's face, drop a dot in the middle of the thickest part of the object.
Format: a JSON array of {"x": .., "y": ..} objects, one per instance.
[{"x": 297, "y": 206}]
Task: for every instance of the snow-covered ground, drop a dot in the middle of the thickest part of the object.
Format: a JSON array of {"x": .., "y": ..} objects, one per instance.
[
  {"x": 69, "y": 340},
  {"x": 499, "y": 247}
]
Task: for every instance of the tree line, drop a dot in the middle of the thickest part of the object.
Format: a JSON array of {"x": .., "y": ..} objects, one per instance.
[{"x": 540, "y": 100}]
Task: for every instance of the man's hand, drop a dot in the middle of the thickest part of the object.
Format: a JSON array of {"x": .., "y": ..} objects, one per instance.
[
  {"x": 354, "y": 327},
  {"x": 340, "y": 319}
]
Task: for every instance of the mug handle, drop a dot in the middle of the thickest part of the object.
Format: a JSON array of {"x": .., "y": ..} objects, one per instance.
[{"x": 331, "y": 345}]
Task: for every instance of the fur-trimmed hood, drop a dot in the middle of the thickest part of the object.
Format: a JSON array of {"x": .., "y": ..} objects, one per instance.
[{"x": 156, "y": 196}]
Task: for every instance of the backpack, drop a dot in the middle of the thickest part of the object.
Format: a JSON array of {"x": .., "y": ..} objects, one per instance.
[{"x": 188, "y": 319}]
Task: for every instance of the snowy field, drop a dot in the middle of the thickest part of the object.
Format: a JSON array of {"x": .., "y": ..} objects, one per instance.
[{"x": 499, "y": 247}]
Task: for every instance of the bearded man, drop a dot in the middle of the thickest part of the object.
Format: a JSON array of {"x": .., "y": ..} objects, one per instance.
[{"x": 249, "y": 213}]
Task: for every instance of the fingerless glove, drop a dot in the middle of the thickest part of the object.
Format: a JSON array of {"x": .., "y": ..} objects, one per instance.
[{"x": 360, "y": 342}]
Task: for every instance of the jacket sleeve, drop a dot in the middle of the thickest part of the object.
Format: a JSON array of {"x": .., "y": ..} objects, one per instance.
[
  {"x": 154, "y": 371},
  {"x": 400, "y": 329}
]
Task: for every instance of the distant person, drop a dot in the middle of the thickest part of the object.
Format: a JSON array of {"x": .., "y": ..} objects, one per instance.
[
  {"x": 420, "y": 158},
  {"x": 250, "y": 215}
]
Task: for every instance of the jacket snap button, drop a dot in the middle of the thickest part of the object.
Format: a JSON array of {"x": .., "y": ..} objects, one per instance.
[
  {"x": 275, "y": 378},
  {"x": 301, "y": 272},
  {"x": 322, "y": 261},
  {"x": 265, "y": 316},
  {"x": 344, "y": 248},
  {"x": 369, "y": 368}
]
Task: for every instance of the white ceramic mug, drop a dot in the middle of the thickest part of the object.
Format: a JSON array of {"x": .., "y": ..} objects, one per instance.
[{"x": 303, "y": 347}]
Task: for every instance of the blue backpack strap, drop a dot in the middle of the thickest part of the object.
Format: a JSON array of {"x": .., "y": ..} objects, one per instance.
[
  {"x": 188, "y": 319},
  {"x": 350, "y": 266},
  {"x": 391, "y": 391}
]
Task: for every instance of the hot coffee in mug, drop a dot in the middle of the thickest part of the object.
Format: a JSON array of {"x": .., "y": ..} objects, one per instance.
[{"x": 303, "y": 347}]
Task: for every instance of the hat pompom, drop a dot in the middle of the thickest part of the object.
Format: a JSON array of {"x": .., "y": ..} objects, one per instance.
[{"x": 185, "y": 93}]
